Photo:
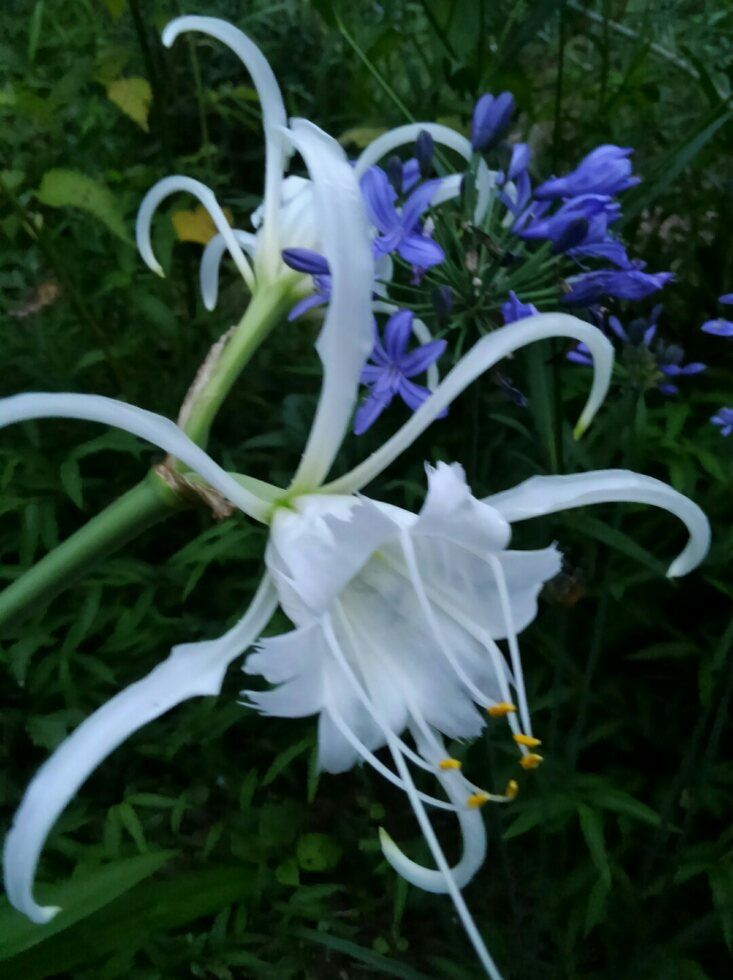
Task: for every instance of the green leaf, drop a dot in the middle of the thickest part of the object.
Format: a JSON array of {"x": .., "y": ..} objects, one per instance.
[
  {"x": 71, "y": 481},
  {"x": 78, "y": 898},
  {"x": 721, "y": 885},
  {"x": 69, "y": 188},
  {"x": 283, "y": 759},
  {"x": 131, "y": 920},
  {"x": 674, "y": 162},
  {"x": 132, "y": 96},
  {"x": 591, "y": 823},
  {"x": 375, "y": 961},
  {"x": 617, "y": 540},
  {"x": 318, "y": 852},
  {"x": 619, "y": 801}
]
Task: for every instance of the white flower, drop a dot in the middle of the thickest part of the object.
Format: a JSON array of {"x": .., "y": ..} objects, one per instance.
[{"x": 397, "y": 617}]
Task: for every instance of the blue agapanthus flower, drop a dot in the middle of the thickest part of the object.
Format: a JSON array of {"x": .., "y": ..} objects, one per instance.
[
  {"x": 312, "y": 264},
  {"x": 605, "y": 170},
  {"x": 720, "y": 327},
  {"x": 400, "y": 231},
  {"x": 587, "y": 288},
  {"x": 649, "y": 361},
  {"x": 491, "y": 116},
  {"x": 391, "y": 367},
  {"x": 514, "y": 309},
  {"x": 723, "y": 418}
]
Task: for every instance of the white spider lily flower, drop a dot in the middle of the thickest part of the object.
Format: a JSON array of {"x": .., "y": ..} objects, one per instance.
[{"x": 286, "y": 217}]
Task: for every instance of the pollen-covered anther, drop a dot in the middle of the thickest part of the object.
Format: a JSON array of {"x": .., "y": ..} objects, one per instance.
[
  {"x": 449, "y": 764},
  {"x": 476, "y": 800},
  {"x": 512, "y": 788},
  {"x": 529, "y": 741},
  {"x": 501, "y": 709},
  {"x": 530, "y": 761}
]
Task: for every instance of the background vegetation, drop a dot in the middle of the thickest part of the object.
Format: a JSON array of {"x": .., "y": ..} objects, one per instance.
[{"x": 207, "y": 846}]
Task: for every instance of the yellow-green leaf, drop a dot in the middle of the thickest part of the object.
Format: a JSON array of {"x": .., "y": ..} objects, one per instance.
[
  {"x": 69, "y": 188},
  {"x": 361, "y": 136},
  {"x": 132, "y": 96},
  {"x": 196, "y": 225}
]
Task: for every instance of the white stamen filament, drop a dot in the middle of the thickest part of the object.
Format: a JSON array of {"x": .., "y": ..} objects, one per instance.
[
  {"x": 358, "y": 689},
  {"x": 511, "y": 637},
  {"x": 435, "y": 849},
  {"x": 470, "y": 821},
  {"x": 419, "y": 587},
  {"x": 368, "y": 756}
]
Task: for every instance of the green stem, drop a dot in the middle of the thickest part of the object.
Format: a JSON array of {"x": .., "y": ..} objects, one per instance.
[
  {"x": 146, "y": 504},
  {"x": 268, "y": 305}
]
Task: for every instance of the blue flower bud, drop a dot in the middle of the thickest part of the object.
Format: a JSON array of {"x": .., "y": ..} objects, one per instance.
[{"x": 491, "y": 117}]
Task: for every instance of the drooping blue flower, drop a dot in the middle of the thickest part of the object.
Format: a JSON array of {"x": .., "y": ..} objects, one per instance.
[
  {"x": 605, "y": 170},
  {"x": 390, "y": 368},
  {"x": 631, "y": 284},
  {"x": 400, "y": 230},
  {"x": 582, "y": 221},
  {"x": 520, "y": 161},
  {"x": 491, "y": 116},
  {"x": 312, "y": 264},
  {"x": 514, "y": 309},
  {"x": 723, "y": 418},
  {"x": 720, "y": 327}
]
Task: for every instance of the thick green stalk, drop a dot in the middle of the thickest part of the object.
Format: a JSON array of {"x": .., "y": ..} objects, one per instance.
[
  {"x": 146, "y": 504},
  {"x": 268, "y": 305}
]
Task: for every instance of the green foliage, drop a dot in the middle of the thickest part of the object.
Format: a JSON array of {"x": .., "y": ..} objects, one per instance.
[{"x": 207, "y": 846}]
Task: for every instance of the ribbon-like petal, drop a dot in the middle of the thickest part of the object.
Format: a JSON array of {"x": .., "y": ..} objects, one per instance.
[
  {"x": 138, "y": 421},
  {"x": 483, "y": 356},
  {"x": 347, "y": 334},
  {"x": 274, "y": 118},
  {"x": 171, "y": 185},
  {"x": 548, "y": 494},
  {"x": 191, "y": 670}
]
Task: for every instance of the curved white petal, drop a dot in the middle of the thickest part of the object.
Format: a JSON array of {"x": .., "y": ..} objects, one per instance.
[
  {"x": 171, "y": 185},
  {"x": 422, "y": 333},
  {"x": 548, "y": 494},
  {"x": 211, "y": 261},
  {"x": 346, "y": 336},
  {"x": 191, "y": 670},
  {"x": 147, "y": 425},
  {"x": 482, "y": 356},
  {"x": 404, "y": 135},
  {"x": 273, "y": 116}
]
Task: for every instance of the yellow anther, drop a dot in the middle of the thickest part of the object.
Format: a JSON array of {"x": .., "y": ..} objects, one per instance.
[
  {"x": 528, "y": 740},
  {"x": 512, "y": 788},
  {"x": 449, "y": 764},
  {"x": 477, "y": 799},
  {"x": 501, "y": 709},
  {"x": 530, "y": 761}
]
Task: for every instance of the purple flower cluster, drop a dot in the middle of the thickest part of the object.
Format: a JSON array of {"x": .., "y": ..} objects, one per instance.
[
  {"x": 648, "y": 360},
  {"x": 574, "y": 213}
]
